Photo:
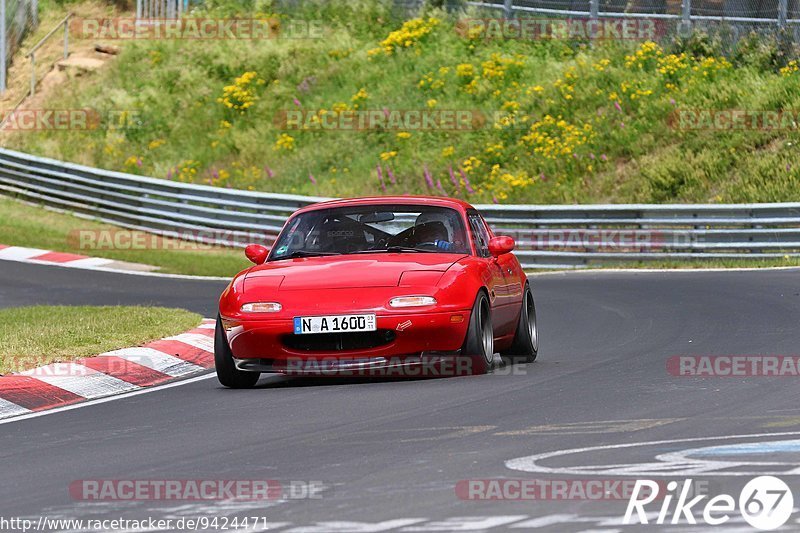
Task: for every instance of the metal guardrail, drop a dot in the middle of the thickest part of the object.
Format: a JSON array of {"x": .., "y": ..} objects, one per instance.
[
  {"x": 688, "y": 15},
  {"x": 553, "y": 236}
]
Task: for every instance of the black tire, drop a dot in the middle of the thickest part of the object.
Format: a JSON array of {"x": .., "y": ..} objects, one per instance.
[
  {"x": 476, "y": 344},
  {"x": 227, "y": 373},
  {"x": 525, "y": 347}
]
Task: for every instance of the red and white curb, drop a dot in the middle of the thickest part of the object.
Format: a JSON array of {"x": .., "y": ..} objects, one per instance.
[
  {"x": 108, "y": 374},
  {"x": 47, "y": 257},
  {"x": 64, "y": 259}
]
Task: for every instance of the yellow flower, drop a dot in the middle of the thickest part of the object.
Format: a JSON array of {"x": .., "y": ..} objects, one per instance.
[
  {"x": 790, "y": 68},
  {"x": 385, "y": 156},
  {"x": 448, "y": 151},
  {"x": 362, "y": 94},
  {"x": 432, "y": 102},
  {"x": 403, "y": 135},
  {"x": 242, "y": 94},
  {"x": 156, "y": 143},
  {"x": 409, "y": 35},
  {"x": 284, "y": 142}
]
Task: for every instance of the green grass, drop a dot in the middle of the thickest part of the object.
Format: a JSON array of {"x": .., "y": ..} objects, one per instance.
[
  {"x": 25, "y": 225},
  {"x": 40, "y": 335},
  {"x": 610, "y": 138}
]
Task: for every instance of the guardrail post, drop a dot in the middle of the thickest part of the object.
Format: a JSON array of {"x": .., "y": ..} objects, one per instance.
[
  {"x": 3, "y": 50},
  {"x": 508, "y": 7},
  {"x": 594, "y": 9},
  {"x": 33, "y": 73},
  {"x": 783, "y": 9},
  {"x": 686, "y": 14},
  {"x": 66, "y": 37}
]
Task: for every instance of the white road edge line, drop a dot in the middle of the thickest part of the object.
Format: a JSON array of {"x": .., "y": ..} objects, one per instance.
[
  {"x": 118, "y": 271},
  {"x": 105, "y": 399}
]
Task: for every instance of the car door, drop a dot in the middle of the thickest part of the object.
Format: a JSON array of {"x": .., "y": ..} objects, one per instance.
[
  {"x": 513, "y": 276},
  {"x": 509, "y": 291},
  {"x": 496, "y": 281}
]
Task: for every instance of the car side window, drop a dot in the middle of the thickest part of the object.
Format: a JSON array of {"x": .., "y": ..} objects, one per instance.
[{"x": 480, "y": 237}]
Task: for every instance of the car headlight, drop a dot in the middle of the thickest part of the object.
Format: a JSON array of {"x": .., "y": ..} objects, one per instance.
[
  {"x": 261, "y": 307},
  {"x": 412, "y": 301}
]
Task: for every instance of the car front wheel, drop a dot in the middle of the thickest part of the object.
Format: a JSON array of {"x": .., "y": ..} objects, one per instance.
[
  {"x": 227, "y": 373},
  {"x": 479, "y": 343}
]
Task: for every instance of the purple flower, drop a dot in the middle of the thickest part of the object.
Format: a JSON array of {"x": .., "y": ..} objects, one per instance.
[
  {"x": 672, "y": 101},
  {"x": 297, "y": 102},
  {"x": 495, "y": 200},
  {"x": 391, "y": 175},
  {"x": 439, "y": 186},
  {"x": 386, "y": 112},
  {"x": 453, "y": 179},
  {"x": 617, "y": 106},
  {"x": 574, "y": 156},
  {"x": 428, "y": 178},
  {"x": 603, "y": 157},
  {"x": 542, "y": 177},
  {"x": 380, "y": 178},
  {"x": 621, "y": 124},
  {"x": 139, "y": 162},
  {"x": 311, "y": 178},
  {"x": 215, "y": 174},
  {"x": 169, "y": 174},
  {"x": 788, "y": 167},
  {"x": 467, "y": 184},
  {"x": 269, "y": 171},
  {"x": 591, "y": 156}
]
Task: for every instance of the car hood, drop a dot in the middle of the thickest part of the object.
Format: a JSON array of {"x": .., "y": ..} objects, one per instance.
[{"x": 349, "y": 271}]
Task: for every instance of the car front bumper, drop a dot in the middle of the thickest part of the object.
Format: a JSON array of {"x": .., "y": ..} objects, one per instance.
[{"x": 270, "y": 345}]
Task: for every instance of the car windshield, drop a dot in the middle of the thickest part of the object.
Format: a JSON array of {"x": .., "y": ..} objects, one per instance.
[{"x": 372, "y": 229}]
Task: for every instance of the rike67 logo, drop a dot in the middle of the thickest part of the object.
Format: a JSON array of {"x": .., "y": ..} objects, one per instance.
[{"x": 765, "y": 503}]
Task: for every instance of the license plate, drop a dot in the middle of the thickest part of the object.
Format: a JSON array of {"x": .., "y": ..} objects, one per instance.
[{"x": 333, "y": 324}]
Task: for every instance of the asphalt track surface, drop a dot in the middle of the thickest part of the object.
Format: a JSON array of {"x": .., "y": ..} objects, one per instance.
[{"x": 391, "y": 450}]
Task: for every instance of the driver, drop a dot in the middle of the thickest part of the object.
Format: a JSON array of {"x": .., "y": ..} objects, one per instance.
[{"x": 434, "y": 229}]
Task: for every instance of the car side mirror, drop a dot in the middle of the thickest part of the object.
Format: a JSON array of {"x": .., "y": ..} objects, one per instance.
[
  {"x": 256, "y": 253},
  {"x": 501, "y": 245}
]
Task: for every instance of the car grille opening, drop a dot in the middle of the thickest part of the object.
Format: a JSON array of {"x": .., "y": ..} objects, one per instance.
[{"x": 326, "y": 342}]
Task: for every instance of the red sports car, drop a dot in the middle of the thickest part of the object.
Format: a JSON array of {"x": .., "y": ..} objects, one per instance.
[{"x": 390, "y": 286}]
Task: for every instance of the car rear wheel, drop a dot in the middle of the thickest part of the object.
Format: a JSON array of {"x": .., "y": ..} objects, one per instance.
[
  {"x": 227, "y": 373},
  {"x": 479, "y": 343},
  {"x": 526, "y": 340}
]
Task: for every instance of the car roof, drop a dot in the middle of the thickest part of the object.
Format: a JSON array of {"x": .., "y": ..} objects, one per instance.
[{"x": 438, "y": 201}]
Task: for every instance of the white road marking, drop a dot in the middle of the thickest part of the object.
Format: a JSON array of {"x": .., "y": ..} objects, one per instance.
[
  {"x": 11, "y": 409},
  {"x": 19, "y": 253},
  {"x": 204, "y": 342},
  {"x": 530, "y": 463},
  {"x": 159, "y": 361},
  {"x": 82, "y": 381},
  {"x": 88, "y": 262}
]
